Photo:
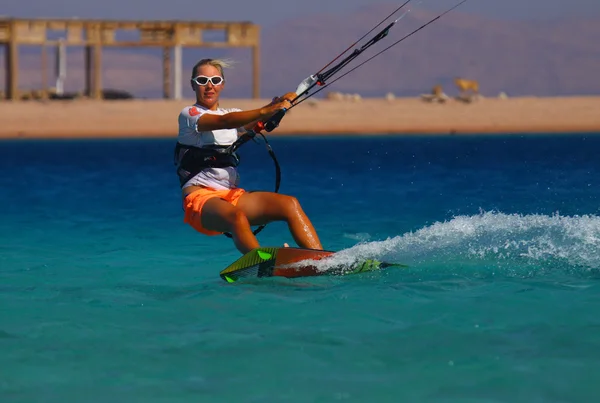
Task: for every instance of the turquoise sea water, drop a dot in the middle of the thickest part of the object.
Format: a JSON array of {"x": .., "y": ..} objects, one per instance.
[{"x": 106, "y": 296}]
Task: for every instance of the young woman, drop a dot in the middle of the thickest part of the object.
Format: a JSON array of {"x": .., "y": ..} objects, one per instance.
[{"x": 212, "y": 201}]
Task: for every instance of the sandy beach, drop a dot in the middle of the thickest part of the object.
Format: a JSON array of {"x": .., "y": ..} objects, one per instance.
[{"x": 158, "y": 118}]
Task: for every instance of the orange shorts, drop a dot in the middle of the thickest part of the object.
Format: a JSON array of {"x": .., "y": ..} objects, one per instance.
[{"x": 194, "y": 202}]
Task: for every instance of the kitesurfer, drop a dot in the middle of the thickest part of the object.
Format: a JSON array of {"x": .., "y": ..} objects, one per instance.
[{"x": 213, "y": 203}]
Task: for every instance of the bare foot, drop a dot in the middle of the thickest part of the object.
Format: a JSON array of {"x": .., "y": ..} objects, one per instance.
[{"x": 285, "y": 245}]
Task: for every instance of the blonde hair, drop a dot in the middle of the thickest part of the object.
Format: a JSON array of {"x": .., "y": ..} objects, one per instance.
[{"x": 220, "y": 64}]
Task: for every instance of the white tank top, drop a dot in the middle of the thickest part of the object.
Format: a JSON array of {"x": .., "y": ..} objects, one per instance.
[{"x": 216, "y": 178}]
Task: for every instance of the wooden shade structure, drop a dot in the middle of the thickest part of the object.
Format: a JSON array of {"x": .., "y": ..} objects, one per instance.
[{"x": 94, "y": 35}]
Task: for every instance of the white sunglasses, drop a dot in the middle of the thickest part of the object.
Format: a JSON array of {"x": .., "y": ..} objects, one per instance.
[{"x": 203, "y": 80}]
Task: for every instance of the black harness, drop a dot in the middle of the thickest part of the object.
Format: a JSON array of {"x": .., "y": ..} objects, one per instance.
[{"x": 190, "y": 160}]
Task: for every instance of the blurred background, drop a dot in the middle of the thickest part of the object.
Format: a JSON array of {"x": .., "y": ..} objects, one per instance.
[{"x": 540, "y": 48}]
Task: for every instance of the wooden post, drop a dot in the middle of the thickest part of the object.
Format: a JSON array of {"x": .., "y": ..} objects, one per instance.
[
  {"x": 6, "y": 72},
  {"x": 44, "y": 66},
  {"x": 97, "y": 71},
  {"x": 166, "y": 72},
  {"x": 93, "y": 61},
  {"x": 177, "y": 71},
  {"x": 256, "y": 71},
  {"x": 60, "y": 66},
  {"x": 12, "y": 64},
  {"x": 88, "y": 71}
]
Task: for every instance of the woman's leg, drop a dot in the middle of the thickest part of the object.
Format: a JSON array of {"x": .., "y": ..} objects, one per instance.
[
  {"x": 264, "y": 207},
  {"x": 220, "y": 215}
]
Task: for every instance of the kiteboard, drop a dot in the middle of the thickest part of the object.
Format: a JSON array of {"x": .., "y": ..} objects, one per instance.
[{"x": 293, "y": 262}]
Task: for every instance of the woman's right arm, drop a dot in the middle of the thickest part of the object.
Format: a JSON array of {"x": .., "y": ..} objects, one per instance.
[{"x": 233, "y": 120}]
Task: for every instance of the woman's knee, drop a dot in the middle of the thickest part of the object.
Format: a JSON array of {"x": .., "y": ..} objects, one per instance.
[
  {"x": 228, "y": 219},
  {"x": 235, "y": 218},
  {"x": 291, "y": 206}
]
